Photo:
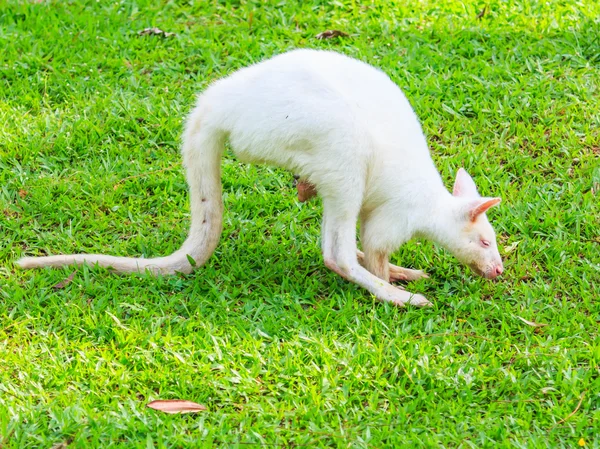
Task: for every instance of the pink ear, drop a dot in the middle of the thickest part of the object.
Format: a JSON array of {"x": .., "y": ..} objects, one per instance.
[
  {"x": 481, "y": 206},
  {"x": 464, "y": 185}
]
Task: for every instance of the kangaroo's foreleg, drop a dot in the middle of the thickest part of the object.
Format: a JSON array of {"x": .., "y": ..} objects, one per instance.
[{"x": 340, "y": 214}]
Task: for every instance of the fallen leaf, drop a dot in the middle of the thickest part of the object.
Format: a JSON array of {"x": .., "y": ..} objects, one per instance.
[
  {"x": 63, "y": 445},
  {"x": 510, "y": 248},
  {"x": 331, "y": 34},
  {"x": 531, "y": 323},
  {"x": 482, "y": 13},
  {"x": 65, "y": 282},
  {"x": 154, "y": 31},
  {"x": 23, "y": 193},
  {"x": 176, "y": 406}
]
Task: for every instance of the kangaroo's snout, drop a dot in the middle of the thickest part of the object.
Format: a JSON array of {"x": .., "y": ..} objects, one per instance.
[{"x": 495, "y": 271}]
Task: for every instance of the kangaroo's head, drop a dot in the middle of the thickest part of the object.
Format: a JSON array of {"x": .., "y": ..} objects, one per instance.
[{"x": 472, "y": 239}]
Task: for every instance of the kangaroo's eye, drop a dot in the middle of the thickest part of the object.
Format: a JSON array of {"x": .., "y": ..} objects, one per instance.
[{"x": 485, "y": 243}]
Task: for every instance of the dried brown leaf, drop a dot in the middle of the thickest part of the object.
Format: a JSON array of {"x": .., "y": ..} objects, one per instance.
[
  {"x": 531, "y": 323},
  {"x": 510, "y": 248},
  {"x": 65, "y": 282},
  {"x": 63, "y": 445},
  {"x": 60, "y": 445},
  {"x": 331, "y": 34},
  {"x": 154, "y": 32},
  {"x": 23, "y": 193},
  {"x": 482, "y": 13},
  {"x": 173, "y": 406}
]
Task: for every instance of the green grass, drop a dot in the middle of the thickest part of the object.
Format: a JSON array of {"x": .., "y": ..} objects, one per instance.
[{"x": 283, "y": 352}]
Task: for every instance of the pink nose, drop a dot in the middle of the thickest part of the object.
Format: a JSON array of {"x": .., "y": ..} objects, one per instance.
[{"x": 493, "y": 273}]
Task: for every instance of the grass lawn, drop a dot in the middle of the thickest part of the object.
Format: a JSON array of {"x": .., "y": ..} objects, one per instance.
[{"x": 283, "y": 352}]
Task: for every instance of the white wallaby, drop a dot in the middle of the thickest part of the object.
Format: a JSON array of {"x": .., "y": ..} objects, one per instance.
[{"x": 345, "y": 127}]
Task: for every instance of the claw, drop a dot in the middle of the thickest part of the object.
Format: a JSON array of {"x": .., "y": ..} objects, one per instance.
[{"x": 419, "y": 301}]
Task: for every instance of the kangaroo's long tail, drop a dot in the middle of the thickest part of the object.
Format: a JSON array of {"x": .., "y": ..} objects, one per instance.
[{"x": 202, "y": 150}]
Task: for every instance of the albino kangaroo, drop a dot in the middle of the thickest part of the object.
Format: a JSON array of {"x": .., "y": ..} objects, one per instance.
[{"x": 345, "y": 127}]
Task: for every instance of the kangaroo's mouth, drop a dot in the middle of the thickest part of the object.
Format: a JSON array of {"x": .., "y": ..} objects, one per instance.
[
  {"x": 490, "y": 272},
  {"x": 477, "y": 270}
]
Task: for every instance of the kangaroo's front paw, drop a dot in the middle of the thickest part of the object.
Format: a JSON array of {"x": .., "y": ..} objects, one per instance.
[{"x": 406, "y": 274}]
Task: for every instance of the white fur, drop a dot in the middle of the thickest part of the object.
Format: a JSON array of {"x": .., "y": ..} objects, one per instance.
[{"x": 345, "y": 127}]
